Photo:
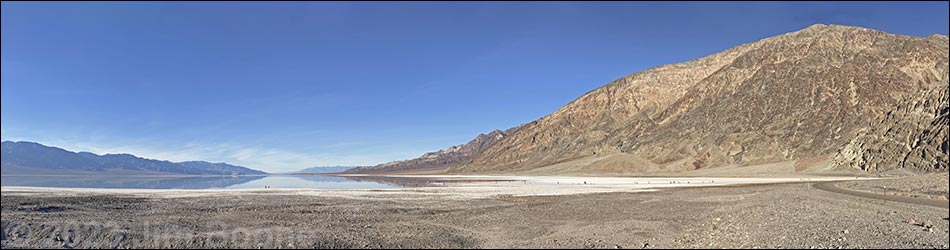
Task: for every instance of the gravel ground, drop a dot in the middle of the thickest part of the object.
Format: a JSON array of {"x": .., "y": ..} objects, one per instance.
[{"x": 756, "y": 216}]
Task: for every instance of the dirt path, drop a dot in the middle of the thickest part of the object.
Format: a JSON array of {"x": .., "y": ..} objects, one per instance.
[{"x": 832, "y": 187}]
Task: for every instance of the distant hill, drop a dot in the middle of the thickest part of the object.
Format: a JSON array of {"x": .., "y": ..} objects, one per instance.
[
  {"x": 439, "y": 160},
  {"x": 323, "y": 170},
  {"x": 24, "y": 158}
]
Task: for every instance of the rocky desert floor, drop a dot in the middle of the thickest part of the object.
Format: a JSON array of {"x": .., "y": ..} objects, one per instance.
[{"x": 795, "y": 215}]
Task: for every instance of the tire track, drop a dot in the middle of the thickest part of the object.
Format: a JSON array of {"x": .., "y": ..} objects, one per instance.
[{"x": 832, "y": 187}]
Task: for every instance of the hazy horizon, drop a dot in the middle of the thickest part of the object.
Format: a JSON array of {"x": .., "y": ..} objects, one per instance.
[{"x": 287, "y": 86}]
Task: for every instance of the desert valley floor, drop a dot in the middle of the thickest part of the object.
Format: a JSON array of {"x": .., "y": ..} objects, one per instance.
[{"x": 777, "y": 215}]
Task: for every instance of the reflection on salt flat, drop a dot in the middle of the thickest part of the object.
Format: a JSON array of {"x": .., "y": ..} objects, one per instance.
[{"x": 193, "y": 182}]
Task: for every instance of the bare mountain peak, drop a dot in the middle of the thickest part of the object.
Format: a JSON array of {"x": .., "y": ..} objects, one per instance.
[
  {"x": 800, "y": 96},
  {"x": 816, "y": 26},
  {"x": 834, "y": 28},
  {"x": 789, "y": 97}
]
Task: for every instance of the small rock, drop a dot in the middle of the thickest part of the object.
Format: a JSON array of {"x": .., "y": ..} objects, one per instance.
[
  {"x": 929, "y": 230},
  {"x": 844, "y": 232},
  {"x": 617, "y": 247}
]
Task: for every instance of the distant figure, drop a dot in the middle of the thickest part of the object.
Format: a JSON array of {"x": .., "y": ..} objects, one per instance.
[{"x": 585, "y": 183}]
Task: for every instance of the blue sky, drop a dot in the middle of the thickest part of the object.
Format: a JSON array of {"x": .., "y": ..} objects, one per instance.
[{"x": 290, "y": 85}]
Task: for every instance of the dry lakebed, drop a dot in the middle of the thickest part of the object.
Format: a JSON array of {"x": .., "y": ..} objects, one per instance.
[{"x": 489, "y": 212}]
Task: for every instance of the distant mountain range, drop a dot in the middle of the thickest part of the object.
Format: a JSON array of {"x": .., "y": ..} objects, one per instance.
[
  {"x": 30, "y": 158},
  {"x": 438, "y": 160},
  {"x": 323, "y": 170}
]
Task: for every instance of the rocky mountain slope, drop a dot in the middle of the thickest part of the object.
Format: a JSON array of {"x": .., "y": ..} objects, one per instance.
[
  {"x": 833, "y": 95},
  {"x": 34, "y": 158},
  {"x": 912, "y": 136},
  {"x": 439, "y": 160}
]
